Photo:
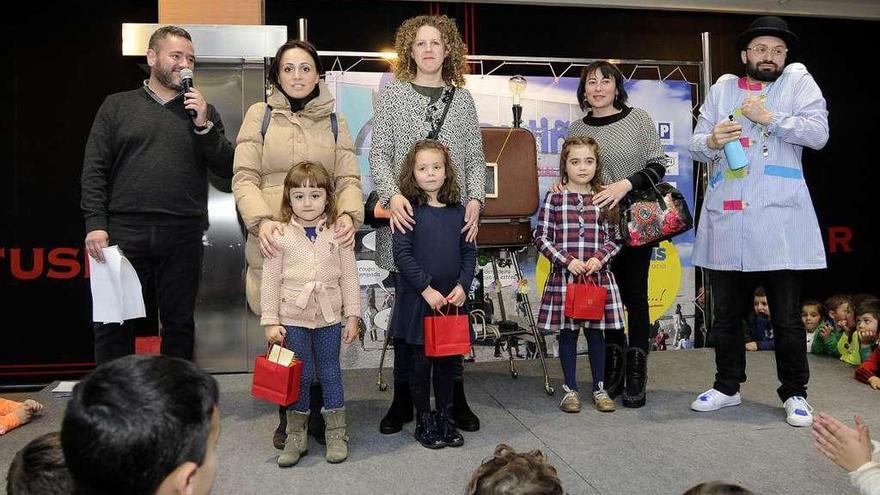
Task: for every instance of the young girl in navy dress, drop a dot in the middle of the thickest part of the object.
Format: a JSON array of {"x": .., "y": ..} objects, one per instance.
[
  {"x": 436, "y": 265},
  {"x": 578, "y": 240}
]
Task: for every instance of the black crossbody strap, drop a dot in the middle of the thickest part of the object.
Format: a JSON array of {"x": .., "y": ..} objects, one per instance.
[{"x": 436, "y": 132}]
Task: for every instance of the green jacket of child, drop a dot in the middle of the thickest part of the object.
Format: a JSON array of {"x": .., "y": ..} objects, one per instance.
[{"x": 825, "y": 346}]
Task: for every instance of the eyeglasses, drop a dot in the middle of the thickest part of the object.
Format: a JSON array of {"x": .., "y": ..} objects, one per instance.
[{"x": 776, "y": 51}]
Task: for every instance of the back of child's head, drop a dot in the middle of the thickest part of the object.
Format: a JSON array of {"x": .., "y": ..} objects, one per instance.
[
  {"x": 39, "y": 468},
  {"x": 717, "y": 488},
  {"x": 309, "y": 174},
  {"x": 134, "y": 421},
  {"x": 508, "y": 472},
  {"x": 760, "y": 292},
  {"x": 590, "y": 143},
  {"x": 449, "y": 193}
]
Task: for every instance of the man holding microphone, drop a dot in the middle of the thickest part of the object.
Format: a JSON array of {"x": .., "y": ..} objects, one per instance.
[{"x": 145, "y": 188}]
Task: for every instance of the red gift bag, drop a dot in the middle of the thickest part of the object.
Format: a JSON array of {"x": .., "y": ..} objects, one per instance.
[
  {"x": 585, "y": 300},
  {"x": 447, "y": 335},
  {"x": 275, "y": 382},
  {"x": 150, "y": 346}
]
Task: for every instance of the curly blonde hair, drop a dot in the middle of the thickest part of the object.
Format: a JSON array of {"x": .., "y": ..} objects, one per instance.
[{"x": 454, "y": 65}]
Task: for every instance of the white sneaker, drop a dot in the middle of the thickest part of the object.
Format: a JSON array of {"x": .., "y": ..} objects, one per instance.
[
  {"x": 713, "y": 400},
  {"x": 798, "y": 411}
]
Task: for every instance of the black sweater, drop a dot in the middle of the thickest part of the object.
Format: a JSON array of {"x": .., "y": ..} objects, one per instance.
[{"x": 145, "y": 164}]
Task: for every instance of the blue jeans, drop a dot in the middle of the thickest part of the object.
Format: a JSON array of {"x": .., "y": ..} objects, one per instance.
[{"x": 318, "y": 349}]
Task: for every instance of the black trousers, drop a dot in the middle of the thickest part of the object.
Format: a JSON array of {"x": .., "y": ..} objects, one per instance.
[
  {"x": 169, "y": 258},
  {"x": 630, "y": 268},
  {"x": 421, "y": 370},
  {"x": 732, "y": 297}
]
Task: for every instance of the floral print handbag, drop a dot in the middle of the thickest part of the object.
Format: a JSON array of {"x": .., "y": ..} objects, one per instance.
[{"x": 655, "y": 214}]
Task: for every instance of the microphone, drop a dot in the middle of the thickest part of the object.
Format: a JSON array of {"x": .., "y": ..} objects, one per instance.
[{"x": 186, "y": 79}]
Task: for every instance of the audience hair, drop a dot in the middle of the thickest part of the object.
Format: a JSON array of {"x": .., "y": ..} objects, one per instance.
[
  {"x": 39, "y": 468},
  {"x": 835, "y": 301},
  {"x": 134, "y": 420},
  {"x": 812, "y": 302},
  {"x": 508, "y": 472},
  {"x": 717, "y": 488},
  {"x": 869, "y": 307},
  {"x": 760, "y": 292}
]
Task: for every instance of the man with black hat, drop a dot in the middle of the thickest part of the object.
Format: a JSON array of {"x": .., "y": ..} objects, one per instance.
[{"x": 757, "y": 224}]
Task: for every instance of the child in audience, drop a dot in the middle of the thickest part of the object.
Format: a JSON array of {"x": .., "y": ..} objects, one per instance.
[
  {"x": 717, "y": 488},
  {"x": 508, "y": 472},
  {"x": 307, "y": 292},
  {"x": 851, "y": 449},
  {"x": 143, "y": 425},
  {"x": 840, "y": 314},
  {"x": 14, "y": 414},
  {"x": 811, "y": 316},
  {"x": 39, "y": 469},
  {"x": 759, "y": 329},
  {"x": 867, "y": 315},
  {"x": 823, "y": 336},
  {"x": 857, "y": 345}
]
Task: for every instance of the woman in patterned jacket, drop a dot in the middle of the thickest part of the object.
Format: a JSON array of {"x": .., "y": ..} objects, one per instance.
[{"x": 427, "y": 99}]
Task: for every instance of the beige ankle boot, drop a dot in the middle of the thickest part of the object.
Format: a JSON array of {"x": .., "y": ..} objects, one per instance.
[
  {"x": 296, "y": 444},
  {"x": 337, "y": 437}
]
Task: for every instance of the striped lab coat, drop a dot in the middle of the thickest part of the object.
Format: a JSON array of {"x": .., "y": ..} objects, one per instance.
[{"x": 761, "y": 217}]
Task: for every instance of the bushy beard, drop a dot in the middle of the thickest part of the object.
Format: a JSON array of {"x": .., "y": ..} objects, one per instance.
[
  {"x": 166, "y": 78},
  {"x": 763, "y": 75}
]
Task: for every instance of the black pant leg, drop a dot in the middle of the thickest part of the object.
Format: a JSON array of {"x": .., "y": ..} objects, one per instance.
[
  {"x": 630, "y": 268},
  {"x": 177, "y": 282},
  {"x": 732, "y": 300},
  {"x": 783, "y": 296}
]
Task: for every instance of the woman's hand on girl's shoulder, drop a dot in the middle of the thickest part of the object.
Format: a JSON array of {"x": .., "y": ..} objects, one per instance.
[
  {"x": 275, "y": 334},
  {"x": 471, "y": 220},
  {"x": 557, "y": 187},
  {"x": 401, "y": 214},
  {"x": 269, "y": 245},
  {"x": 611, "y": 194},
  {"x": 343, "y": 231}
]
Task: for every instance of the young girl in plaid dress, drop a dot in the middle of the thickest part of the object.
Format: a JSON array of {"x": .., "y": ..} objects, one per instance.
[{"x": 578, "y": 240}]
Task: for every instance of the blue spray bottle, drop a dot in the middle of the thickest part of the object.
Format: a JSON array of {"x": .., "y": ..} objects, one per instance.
[{"x": 735, "y": 154}]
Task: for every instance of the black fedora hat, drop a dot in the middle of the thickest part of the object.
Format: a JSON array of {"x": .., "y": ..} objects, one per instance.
[{"x": 769, "y": 25}]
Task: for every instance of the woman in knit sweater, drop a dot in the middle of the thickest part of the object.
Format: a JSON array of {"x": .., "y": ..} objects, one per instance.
[
  {"x": 426, "y": 100},
  {"x": 300, "y": 127},
  {"x": 632, "y": 159}
]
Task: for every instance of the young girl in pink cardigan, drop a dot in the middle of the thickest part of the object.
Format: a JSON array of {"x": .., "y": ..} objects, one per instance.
[{"x": 306, "y": 292}]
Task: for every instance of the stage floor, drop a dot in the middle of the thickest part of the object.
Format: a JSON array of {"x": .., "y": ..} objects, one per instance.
[{"x": 663, "y": 448}]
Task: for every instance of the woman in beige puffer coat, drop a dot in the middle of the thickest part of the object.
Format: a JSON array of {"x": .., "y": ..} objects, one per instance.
[{"x": 291, "y": 137}]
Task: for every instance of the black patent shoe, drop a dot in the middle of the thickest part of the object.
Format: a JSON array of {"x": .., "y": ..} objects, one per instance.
[
  {"x": 427, "y": 432},
  {"x": 450, "y": 435}
]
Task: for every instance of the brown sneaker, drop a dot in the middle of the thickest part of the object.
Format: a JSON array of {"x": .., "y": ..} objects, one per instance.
[
  {"x": 571, "y": 403},
  {"x": 602, "y": 401}
]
